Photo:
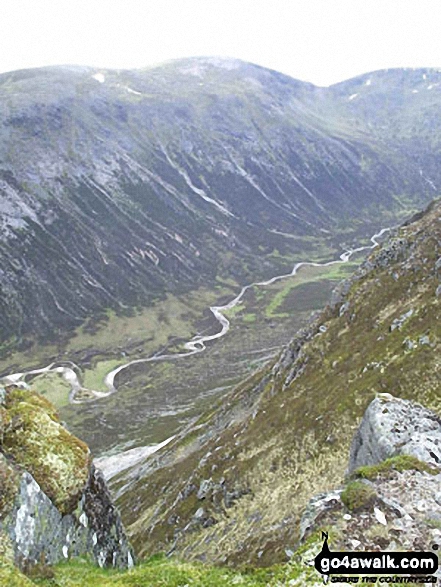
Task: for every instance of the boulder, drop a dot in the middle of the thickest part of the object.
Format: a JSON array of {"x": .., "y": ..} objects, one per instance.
[
  {"x": 392, "y": 427},
  {"x": 54, "y": 504}
]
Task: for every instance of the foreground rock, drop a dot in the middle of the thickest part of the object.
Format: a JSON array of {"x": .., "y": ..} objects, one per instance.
[
  {"x": 54, "y": 504},
  {"x": 394, "y": 426},
  {"x": 391, "y": 504}
]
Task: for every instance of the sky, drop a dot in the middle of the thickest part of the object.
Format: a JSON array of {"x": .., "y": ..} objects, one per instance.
[{"x": 320, "y": 41}]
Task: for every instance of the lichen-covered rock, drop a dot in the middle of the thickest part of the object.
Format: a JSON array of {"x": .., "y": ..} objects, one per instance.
[
  {"x": 110, "y": 546},
  {"x": 53, "y": 503},
  {"x": 37, "y": 441},
  {"x": 393, "y": 426},
  {"x": 391, "y": 504},
  {"x": 319, "y": 506},
  {"x": 39, "y": 531}
]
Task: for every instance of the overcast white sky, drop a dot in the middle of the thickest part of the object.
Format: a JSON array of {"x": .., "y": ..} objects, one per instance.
[{"x": 322, "y": 41}]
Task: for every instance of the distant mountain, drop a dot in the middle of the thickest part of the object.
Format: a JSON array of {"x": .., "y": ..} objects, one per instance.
[
  {"x": 234, "y": 486},
  {"x": 116, "y": 186}
]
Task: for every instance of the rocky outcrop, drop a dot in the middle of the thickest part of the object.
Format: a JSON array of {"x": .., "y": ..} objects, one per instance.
[
  {"x": 68, "y": 512},
  {"x": 392, "y": 497},
  {"x": 393, "y": 426}
]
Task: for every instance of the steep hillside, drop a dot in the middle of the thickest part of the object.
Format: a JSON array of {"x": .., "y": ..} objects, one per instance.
[
  {"x": 117, "y": 186},
  {"x": 232, "y": 488}
]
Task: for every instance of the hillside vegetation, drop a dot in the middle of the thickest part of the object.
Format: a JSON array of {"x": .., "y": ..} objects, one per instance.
[{"x": 232, "y": 488}]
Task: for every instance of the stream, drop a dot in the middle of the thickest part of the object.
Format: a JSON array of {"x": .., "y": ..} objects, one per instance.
[{"x": 68, "y": 370}]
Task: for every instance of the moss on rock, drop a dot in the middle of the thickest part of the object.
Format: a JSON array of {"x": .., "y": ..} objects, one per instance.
[
  {"x": 11, "y": 576},
  {"x": 399, "y": 463},
  {"x": 358, "y": 495},
  {"x": 9, "y": 483},
  {"x": 37, "y": 441}
]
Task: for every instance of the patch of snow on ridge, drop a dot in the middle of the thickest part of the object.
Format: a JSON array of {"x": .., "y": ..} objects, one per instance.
[
  {"x": 352, "y": 96},
  {"x": 111, "y": 466},
  {"x": 133, "y": 92},
  {"x": 99, "y": 77},
  {"x": 368, "y": 82}
]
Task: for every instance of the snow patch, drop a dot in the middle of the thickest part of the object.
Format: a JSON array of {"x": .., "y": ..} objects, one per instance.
[
  {"x": 133, "y": 92},
  {"x": 430, "y": 87},
  {"x": 111, "y": 466},
  {"x": 352, "y": 96},
  {"x": 414, "y": 91},
  {"x": 368, "y": 82},
  {"x": 99, "y": 77}
]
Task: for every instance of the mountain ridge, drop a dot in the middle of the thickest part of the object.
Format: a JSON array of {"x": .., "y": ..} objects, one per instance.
[{"x": 124, "y": 185}]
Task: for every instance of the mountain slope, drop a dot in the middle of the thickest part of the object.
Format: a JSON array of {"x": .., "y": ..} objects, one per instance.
[
  {"x": 232, "y": 487},
  {"x": 116, "y": 186}
]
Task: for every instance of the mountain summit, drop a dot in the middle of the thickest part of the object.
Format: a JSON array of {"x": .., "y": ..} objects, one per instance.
[{"x": 116, "y": 186}]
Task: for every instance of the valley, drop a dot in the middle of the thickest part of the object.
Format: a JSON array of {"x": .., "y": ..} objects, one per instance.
[
  {"x": 152, "y": 403},
  {"x": 210, "y": 269}
]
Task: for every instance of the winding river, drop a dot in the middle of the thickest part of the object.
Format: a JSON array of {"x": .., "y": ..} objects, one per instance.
[{"x": 68, "y": 370}]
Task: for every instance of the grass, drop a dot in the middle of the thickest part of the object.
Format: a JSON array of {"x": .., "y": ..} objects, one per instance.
[
  {"x": 398, "y": 463},
  {"x": 53, "y": 387},
  {"x": 147, "y": 330},
  {"x": 305, "y": 275},
  {"x": 158, "y": 571},
  {"x": 357, "y": 496},
  {"x": 94, "y": 378}
]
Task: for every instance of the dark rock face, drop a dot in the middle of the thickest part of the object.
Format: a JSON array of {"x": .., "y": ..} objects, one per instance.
[
  {"x": 393, "y": 426},
  {"x": 111, "y": 547}
]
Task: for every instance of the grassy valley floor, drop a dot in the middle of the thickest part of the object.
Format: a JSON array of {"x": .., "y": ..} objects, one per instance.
[{"x": 156, "y": 400}]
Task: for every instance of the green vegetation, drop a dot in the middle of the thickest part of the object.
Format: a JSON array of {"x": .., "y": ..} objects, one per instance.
[
  {"x": 399, "y": 463},
  {"x": 357, "y": 496},
  {"x": 94, "y": 378},
  {"x": 276, "y": 437},
  {"x": 158, "y": 571},
  {"x": 37, "y": 441},
  {"x": 306, "y": 275},
  {"x": 53, "y": 387},
  {"x": 10, "y": 576},
  {"x": 9, "y": 482}
]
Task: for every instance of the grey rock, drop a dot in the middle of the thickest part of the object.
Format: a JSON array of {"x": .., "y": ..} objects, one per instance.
[
  {"x": 398, "y": 322},
  {"x": 438, "y": 291},
  {"x": 409, "y": 344},
  {"x": 37, "y": 529},
  {"x": 393, "y": 426},
  {"x": 199, "y": 515},
  {"x": 318, "y": 506},
  {"x": 205, "y": 487}
]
